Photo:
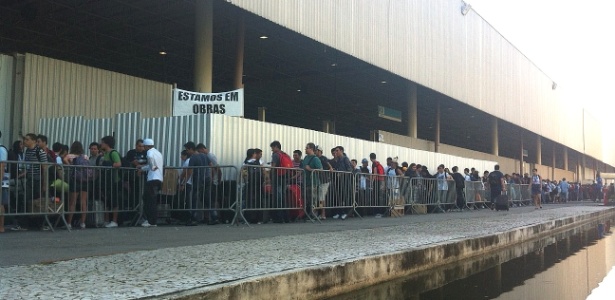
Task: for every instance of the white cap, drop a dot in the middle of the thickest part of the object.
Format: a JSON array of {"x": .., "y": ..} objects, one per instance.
[{"x": 148, "y": 142}]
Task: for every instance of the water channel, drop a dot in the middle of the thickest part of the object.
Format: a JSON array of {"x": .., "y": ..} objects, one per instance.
[{"x": 567, "y": 265}]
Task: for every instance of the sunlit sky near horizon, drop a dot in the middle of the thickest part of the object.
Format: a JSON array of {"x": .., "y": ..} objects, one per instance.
[{"x": 570, "y": 41}]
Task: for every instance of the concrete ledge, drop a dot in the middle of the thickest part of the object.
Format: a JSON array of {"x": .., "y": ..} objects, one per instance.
[{"x": 336, "y": 278}]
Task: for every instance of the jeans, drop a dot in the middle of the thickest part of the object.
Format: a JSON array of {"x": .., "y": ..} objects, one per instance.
[{"x": 150, "y": 200}]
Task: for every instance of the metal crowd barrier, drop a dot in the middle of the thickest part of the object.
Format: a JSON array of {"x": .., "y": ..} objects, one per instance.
[
  {"x": 273, "y": 193},
  {"x": 375, "y": 194},
  {"x": 260, "y": 193},
  {"x": 60, "y": 189},
  {"x": 434, "y": 192},
  {"x": 476, "y": 194},
  {"x": 197, "y": 194},
  {"x": 519, "y": 194},
  {"x": 333, "y": 191},
  {"x": 108, "y": 191},
  {"x": 30, "y": 195}
]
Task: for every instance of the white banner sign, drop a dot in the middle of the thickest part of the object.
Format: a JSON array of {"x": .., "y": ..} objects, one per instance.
[{"x": 186, "y": 103}]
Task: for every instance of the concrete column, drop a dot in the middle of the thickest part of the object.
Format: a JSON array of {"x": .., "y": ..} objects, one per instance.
[
  {"x": 565, "y": 158},
  {"x": 583, "y": 164},
  {"x": 578, "y": 170},
  {"x": 241, "y": 33},
  {"x": 327, "y": 126},
  {"x": 495, "y": 143},
  {"x": 203, "y": 46},
  {"x": 553, "y": 164},
  {"x": 538, "y": 150},
  {"x": 412, "y": 110},
  {"x": 261, "y": 113},
  {"x": 437, "y": 137},
  {"x": 521, "y": 156}
]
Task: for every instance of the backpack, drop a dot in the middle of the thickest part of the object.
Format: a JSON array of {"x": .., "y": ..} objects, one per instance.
[
  {"x": 493, "y": 179},
  {"x": 110, "y": 163},
  {"x": 83, "y": 174},
  {"x": 285, "y": 162}
]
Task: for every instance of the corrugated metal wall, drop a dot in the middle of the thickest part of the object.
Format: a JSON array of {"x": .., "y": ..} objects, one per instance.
[
  {"x": 126, "y": 131},
  {"x": 64, "y": 130},
  {"x": 171, "y": 133},
  {"x": 54, "y": 88},
  {"x": 230, "y": 138},
  {"x": 7, "y": 65},
  {"x": 432, "y": 43}
]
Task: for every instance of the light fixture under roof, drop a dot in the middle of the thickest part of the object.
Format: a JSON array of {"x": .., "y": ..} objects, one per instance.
[
  {"x": 383, "y": 82},
  {"x": 262, "y": 37},
  {"x": 162, "y": 52}
]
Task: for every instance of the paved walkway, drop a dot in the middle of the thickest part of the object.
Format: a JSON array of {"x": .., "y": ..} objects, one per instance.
[{"x": 128, "y": 263}]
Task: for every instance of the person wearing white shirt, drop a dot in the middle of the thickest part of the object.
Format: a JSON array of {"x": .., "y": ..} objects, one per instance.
[{"x": 154, "y": 169}]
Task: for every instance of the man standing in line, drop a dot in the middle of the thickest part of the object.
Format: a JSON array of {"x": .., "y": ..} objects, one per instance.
[
  {"x": 564, "y": 187},
  {"x": 201, "y": 180},
  {"x": 278, "y": 183},
  {"x": 310, "y": 163},
  {"x": 154, "y": 169},
  {"x": 41, "y": 142},
  {"x": 297, "y": 177},
  {"x": 216, "y": 180},
  {"x": 36, "y": 179},
  {"x": 378, "y": 184},
  {"x": 496, "y": 184},
  {"x": 459, "y": 186},
  {"x": 343, "y": 182},
  {"x": 111, "y": 180}
]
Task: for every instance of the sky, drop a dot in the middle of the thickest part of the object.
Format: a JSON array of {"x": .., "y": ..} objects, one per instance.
[{"x": 573, "y": 42}]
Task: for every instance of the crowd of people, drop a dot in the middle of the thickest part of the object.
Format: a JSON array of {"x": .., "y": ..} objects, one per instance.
[{"x": 327, "y": 181}]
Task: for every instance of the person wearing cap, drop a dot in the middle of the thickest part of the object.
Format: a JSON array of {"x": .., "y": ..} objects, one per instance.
[{"x": 154, "y": 169}]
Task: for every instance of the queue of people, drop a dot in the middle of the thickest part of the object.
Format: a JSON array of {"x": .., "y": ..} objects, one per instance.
[{"x": 62, "y": 172}]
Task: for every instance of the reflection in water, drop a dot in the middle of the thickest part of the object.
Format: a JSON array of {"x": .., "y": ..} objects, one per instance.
[{"x": 565, "y": 266}]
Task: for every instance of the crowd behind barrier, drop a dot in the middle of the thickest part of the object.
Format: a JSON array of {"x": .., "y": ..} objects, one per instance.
[{"x": 52, "y": 194}]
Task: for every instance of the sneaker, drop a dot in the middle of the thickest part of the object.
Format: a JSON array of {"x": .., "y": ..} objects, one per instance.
[
  {"x": 18, "y": 228},
  {"x": 337, "y": 216},
  {"x": 67, "y": 227},
  {"x": 111, "y": 225},
  {"x": 344, "y": 216},
  {"x": 147, "y": 224},
  {"x": 45, "y": 228},
  {"x": 378, "y": 216},
  {"x": 82, "y": 225}
]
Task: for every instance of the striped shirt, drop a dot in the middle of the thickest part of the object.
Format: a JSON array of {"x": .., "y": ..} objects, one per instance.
[{"x": 35, "y": 154}]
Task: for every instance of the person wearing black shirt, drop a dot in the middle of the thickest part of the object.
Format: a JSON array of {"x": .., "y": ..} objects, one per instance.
[{"x": 135, "y": 158}]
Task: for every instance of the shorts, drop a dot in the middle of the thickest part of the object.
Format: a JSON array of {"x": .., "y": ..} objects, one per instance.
[
  {"x": 322, "y": 191},
  {"x": 536, "y": 190}
]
